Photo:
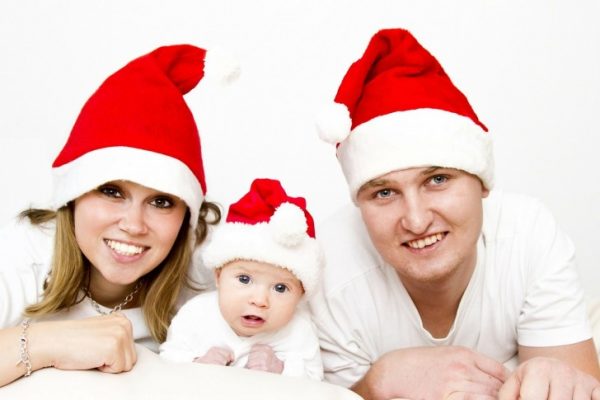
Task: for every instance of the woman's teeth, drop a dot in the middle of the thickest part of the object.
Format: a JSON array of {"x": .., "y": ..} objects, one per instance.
[{"x": 124, "y": 249}]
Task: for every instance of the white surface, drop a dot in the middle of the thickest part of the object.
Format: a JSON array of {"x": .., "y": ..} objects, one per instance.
[
  {"x": 153, "y": 378},
  {"x": 530, "y": 70}
]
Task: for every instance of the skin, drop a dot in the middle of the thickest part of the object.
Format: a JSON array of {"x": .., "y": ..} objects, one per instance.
[
  {"x": 254, "y": 298},
  {"x": 125, "y": 230},
  {"x": 122, "y": 212},
  {"x": 425, "y": 222}
]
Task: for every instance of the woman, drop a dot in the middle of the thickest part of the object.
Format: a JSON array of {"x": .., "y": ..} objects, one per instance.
[{"x": 106, "y": 265}]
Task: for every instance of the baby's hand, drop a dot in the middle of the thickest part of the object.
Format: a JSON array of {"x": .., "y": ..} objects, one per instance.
[
  {"x": 216, "y": 355},
  {"x": 262, "y": 358}
]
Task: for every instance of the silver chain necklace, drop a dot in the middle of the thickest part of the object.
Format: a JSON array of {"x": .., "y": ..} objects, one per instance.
[{"x": 119, "y": 306}]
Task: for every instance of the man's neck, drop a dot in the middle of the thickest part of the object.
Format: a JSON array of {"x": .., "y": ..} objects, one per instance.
[{"x": 437, "y": 302}]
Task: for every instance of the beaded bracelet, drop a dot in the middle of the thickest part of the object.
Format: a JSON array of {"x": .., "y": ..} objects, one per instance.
[{"x": 23, "y": 351}]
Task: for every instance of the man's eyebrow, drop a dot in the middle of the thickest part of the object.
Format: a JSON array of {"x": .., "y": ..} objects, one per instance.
[{"x": 374, "y": 183}]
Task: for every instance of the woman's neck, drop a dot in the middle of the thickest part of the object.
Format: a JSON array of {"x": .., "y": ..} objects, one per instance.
[{"x": 109, "y": 294}]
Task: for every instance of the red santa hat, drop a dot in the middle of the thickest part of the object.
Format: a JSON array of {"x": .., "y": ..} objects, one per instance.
[
  {"x": 267, "y": 225},
  {"x": 396, "y": 108},
  {"x": 138, "y": 127}
]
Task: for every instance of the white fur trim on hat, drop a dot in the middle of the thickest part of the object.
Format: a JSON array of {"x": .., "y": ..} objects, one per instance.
[
  {"x": 415, "y": 138},
  {"x": 238, "y": 241},
  {"x": 147, "y": 168}
]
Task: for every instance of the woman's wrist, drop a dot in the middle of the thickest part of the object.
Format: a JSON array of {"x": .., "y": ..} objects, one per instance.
[{"x": 24, "y": 358}]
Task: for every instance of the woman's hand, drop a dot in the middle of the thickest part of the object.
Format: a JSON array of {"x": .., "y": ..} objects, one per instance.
[
  {"x": 103, "y": 342},
  {"x": 263, "y": 358}
]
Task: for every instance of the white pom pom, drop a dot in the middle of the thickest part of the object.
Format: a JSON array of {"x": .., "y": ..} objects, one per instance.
[
  {"x": 288, "y": 225},
  {"x": 334, "y": 123},
  {"x": 221, "y": 66}
]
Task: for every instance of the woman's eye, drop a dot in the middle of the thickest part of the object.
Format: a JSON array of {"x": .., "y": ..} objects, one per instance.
[
  {"x": 245, "y": 279},
  {"x": 281, "y": 288},
  {"x": 438, "y": 179},
  {"x": 162, "y": 202},
  {"x": 110, "y": 191}
]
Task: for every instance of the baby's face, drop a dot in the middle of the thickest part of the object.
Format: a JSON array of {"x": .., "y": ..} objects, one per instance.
[{"x": 257, "y": 297}]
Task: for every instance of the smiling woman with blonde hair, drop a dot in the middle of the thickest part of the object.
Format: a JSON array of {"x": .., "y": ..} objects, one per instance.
[{"x": 106, "y": 264}]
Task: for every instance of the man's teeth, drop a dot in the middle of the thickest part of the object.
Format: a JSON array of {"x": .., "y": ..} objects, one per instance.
[
  {"x": 124, "y": 249},
  {"x": 429, "y": 240}
]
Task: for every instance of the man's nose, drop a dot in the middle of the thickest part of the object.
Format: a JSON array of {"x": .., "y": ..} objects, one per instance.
[{"x": 416, "y": 214}]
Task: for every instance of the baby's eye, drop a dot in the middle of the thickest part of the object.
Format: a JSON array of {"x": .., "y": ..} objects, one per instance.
[
  {"x": 110, "y": 191},
  {"x": 162, "y": 202},
  {"x": 245, "y": 279},
  {"x": 281, "y": 288}
]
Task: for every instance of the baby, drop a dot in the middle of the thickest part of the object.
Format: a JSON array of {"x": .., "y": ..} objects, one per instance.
[{"x": 266, "y": 263}]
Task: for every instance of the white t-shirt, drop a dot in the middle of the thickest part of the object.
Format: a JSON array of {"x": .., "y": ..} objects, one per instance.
[
  {"x": 199, "y": 325},
  {"x": 524, "y": 290},
  {"x": 25, "y": 259}
]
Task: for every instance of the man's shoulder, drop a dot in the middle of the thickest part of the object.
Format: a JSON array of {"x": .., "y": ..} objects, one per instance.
[
  {"x": 505, "y": 213},
  {"x": 349, "y": 253}
]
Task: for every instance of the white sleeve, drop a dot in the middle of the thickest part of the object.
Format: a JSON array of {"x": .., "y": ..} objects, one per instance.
[
  {"x": 345, "y": 357},
  {"x": 554, "y": 310},
  {"x": 184, "y": 336},
  {"x": 301, "y": 354},
  {"x": 25, "y": 257}
]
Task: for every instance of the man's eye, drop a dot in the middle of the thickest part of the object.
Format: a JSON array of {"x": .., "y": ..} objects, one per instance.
[
  {"x": 110, "y": 191},
  {"x": 245, "y": 279},
  {"x": 383, "y": 193},
  {"x": 162, "y": 202},
  {"x": 281, "y": 288}
]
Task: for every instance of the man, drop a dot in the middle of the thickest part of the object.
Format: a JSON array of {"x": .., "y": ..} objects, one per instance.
[{"x": 436, "y": 287}]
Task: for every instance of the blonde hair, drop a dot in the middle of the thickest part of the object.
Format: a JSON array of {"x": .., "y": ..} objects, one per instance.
[{"x": 69, "y": 271}]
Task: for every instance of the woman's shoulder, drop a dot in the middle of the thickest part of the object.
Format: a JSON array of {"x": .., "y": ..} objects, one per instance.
[{"x": 20, "y": 239}]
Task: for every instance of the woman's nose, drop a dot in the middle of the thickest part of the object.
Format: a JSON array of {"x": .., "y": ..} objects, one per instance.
[{"x": 133, "y": 220}]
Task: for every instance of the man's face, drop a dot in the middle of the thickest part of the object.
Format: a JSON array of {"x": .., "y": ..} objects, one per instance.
[{"x": 425, "y": 222}]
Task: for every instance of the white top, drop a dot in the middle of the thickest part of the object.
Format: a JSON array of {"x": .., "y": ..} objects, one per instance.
[
  {"x": 524, "y": 290},
  {"x": 199, "y": 325},
  {"x": 26, "y": 255}
]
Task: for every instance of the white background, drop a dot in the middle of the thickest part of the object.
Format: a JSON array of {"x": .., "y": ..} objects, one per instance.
[{"x": 531, "y": 70}]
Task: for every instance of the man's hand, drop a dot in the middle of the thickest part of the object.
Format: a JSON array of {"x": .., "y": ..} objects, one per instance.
[
  {"x": 263, "y": 358},
  {"x": 549, "y": 378},
  {"x": 216, "y": 355},
  {"x": 434, "y": 373}
]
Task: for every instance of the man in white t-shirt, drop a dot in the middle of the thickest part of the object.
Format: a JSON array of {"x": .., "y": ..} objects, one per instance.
[{"x": 436, "y": 287}]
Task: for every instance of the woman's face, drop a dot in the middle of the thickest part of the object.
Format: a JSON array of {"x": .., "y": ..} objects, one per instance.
[{"x": 125, "y": 230}]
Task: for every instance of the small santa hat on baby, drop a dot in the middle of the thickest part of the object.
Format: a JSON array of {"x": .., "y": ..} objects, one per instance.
[
  {"x": 138, "y": 127},
  {"x": 267, "y": 225},
  {"x": 396, "y": 108}
]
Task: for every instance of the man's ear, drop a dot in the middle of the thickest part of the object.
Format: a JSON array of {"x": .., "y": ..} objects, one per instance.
[{"x": 485, "y": 192}]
